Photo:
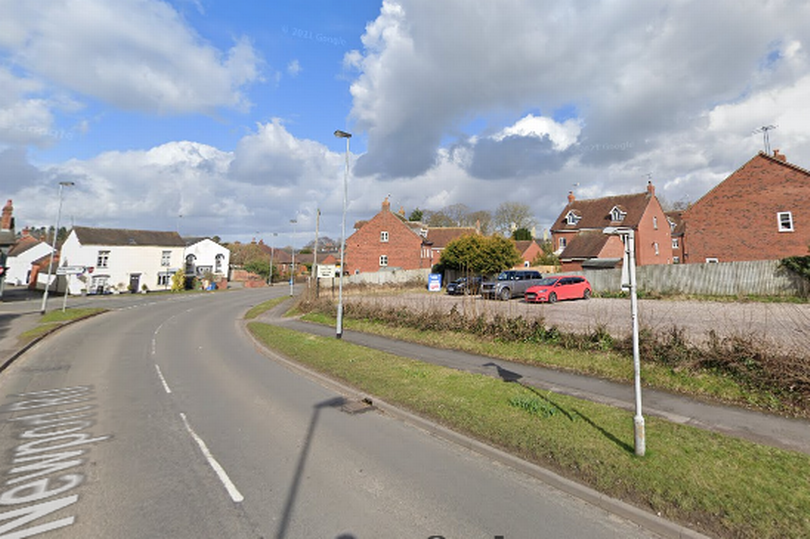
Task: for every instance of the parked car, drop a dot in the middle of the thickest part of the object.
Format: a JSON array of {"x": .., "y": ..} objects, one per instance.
[
  {"x": 510, "y": 284},
  {"x": 553, "y": 289},
  {"x": 464, "y": 285}
]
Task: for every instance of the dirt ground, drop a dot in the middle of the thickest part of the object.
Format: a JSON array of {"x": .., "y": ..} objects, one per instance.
[{"x": 786, "y": 326}]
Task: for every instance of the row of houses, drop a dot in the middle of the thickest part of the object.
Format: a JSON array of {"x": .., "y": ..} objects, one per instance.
[{"x": 760, "y": 212}]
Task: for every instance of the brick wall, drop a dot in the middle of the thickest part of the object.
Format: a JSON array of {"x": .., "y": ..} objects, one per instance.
[
  {"x": 737, "y": 220},
  {"x": 403, "y": 248}
]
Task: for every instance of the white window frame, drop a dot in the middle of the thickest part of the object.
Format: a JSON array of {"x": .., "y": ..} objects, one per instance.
[
  {"x": 572, "y": 218},
  {"x": 674, "y": 243},
  {"x": 616, "y": 214},
  {"x": 103, "y": 259},
  {"x": 785, "y": 225},
  {"x": 384, "y": 236},
  {"x": 218, "y": 260},
  {"x": 655, "y": 222},
  {"x": 655, "y": 248},
  {"x": 676, "y": 260},
  {"x": 383, "y": 261},
  {"x": 563, "y": 243},
  {"x": 712, "y": 260},
  {"x": 166, "y": 259}
]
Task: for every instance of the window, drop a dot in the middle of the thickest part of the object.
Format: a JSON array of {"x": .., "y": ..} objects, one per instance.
[
  {"x": 674, "y": 243},
  {"x": 616, "y": 214},
  {"x": 572, "y": 218},
  {"x": 383, "y": 260},
  {"x": 165, "y": 278},
  {"x": 655, "y": 248},
  {"x": 563, "y": 243},
  {"x": 103, "y": 259},
  {"x": 166, "y": 259},
  {"x": 711, "y": 261},
  {"x": 676, "y": 260},
  {"x": 190, "y": 262},
  {"x": 526, "y": 264},
  {"x": 655, "y": 222},
  {"x": 785, "y": 219},
  {"x": 384, "y": 236},
  {"x": 672, "y": 226},
  {"x": 218, "y": 260}
]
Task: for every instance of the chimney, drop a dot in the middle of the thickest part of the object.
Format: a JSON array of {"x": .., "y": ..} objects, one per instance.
[
  {"x": 650, "y": 189},
  {"x": 571, "y": 198},
  {"x": 780, "y": 156},
  {"x": 6, "y": 222},
  {"x": 25, "y": 233},
  {"x": 401, "y": 211},
  {"x": 386, "y": 206}
]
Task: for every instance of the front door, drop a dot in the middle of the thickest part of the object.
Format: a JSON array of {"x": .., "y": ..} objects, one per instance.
[{"x": 134, "y": 282}]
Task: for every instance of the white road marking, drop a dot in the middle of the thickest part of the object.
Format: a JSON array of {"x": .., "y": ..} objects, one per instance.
[
  {"x": 235, "y": 495},
  {"x": 163, "y": 380}
]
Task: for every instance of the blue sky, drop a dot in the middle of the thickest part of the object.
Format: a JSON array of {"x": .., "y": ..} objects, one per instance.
[{"x": 223, "y": 112}]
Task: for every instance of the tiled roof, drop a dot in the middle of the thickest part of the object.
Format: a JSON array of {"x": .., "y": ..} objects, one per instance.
[
  {"x": 114, "y": 236},
  {"x": 439, "y": 237},
  {"x": 22, "y": 245},
  {"x": 595, "y": 213},
  {"x": 585, "y": 245}
]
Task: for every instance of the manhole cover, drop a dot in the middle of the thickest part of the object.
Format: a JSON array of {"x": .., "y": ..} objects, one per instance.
[{"x": 357, "y": 406}]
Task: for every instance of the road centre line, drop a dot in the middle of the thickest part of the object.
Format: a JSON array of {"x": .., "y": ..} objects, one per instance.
[
  {"x": 163, "y": 380},
  {"x": 233, "y": 492}
]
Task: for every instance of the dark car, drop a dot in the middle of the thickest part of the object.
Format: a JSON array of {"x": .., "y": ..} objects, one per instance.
[
  {"x": 552, "y": 289},
  {"x": 464, "y": 285}
]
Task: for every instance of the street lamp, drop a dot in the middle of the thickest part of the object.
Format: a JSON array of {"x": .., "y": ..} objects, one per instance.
[
  {"x": 62, "y": 185},
  {"x": 339, "y": 328},
  {"x": 292, "y": 248},
  {"x": 271, "y": 257},
  {"x": 629, "y": 279}
]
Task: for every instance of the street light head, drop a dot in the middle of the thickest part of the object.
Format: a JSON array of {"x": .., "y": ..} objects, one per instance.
[
  {"x": 342, "y": 134},
  {"x": 67, "y": 184},
  {"x": 293, "y": 221}
]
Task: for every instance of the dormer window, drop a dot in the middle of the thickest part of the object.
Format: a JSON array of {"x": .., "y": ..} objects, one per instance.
[
  {"x": 572, "y": 218},
  {"x": 672, "y": 225},
  {"x": 616, "y": 214},
  {"x": 423, "y": 232}
]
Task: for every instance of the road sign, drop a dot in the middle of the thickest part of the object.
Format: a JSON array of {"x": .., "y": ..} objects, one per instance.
[
  {"x": 326, "y": 270},
  {"x": 70, "y": 270}
]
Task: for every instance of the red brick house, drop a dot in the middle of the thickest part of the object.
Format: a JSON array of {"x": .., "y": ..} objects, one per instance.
[
  {"x": 528, "y": 249},
  {"x": 760, "y": 212},
  {"x": 579, "y": 241},
  {"x": 389, "y": 241},
  {"x": 676, "y": 227}
]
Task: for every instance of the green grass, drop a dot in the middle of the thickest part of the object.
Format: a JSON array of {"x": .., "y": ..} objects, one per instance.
[
  {"x": 52, "y": 320},
  {"x": 719, "y": 485},
  {"x": 608, "y": 365},
  {"x": 262, "y": 308}
]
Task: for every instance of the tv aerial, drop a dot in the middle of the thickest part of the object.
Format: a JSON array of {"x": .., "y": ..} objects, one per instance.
[{"x": 766, "y": 139}]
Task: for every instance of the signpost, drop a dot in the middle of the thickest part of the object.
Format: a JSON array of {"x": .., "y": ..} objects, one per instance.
[
  {"x": 326, "y": 271},
  {"x": 68, "y": 271}
]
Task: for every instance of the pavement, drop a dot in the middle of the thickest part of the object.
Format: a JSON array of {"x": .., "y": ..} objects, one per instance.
[{"x": 19, "y": 312}]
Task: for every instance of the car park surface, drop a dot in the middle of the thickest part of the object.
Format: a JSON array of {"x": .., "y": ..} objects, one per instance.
[
  {"x": 552, "y": 289},
  {"x": 510, "y": 284}
]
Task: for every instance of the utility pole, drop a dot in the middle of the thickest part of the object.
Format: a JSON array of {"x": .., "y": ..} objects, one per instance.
[{"x": 315, "y": 250}]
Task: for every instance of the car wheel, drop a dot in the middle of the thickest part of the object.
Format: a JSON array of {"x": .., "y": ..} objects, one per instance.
[
  {"x": 586, "y": 294},
  {"x": 505, "y": 294},
  {"x": 552, "y": 298}
]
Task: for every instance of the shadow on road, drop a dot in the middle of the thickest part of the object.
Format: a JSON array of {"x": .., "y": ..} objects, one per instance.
[{"x": 336, "y": 402}]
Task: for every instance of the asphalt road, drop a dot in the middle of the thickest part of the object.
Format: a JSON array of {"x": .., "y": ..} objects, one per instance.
[{"x": 161, "y": 419}]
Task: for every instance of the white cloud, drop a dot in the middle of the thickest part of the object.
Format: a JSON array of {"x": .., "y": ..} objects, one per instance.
[
  {"x": 134, "y": 54},
  {"x": 562, "y": 135},
  {"x": 294, "y": 68}
]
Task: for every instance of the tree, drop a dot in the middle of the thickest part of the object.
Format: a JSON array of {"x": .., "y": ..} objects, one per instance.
[
  {"x": 512, "y": 215},
  {"x": 242, "y": 253},
  {"x": 481, "y": 219},
  {"x": 179, "y": 281},
  {"x": 416, "y": 215},
  {"x": 547, "y": 256},
  {"x": 521, "y": 234},
  {"x": 480, "y": 255},
  {"x": 259, "y": 267}
]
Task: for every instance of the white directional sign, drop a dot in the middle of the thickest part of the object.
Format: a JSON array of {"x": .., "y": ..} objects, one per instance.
[
  {"x": 326, "y": 270},
  {"x": 70, "y": 270}
]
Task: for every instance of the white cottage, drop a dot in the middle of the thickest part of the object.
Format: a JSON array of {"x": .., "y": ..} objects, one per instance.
[
  {"x": 122, "y": 260},
  {"x": 203, "y": 255},
  {"x": 22, "y": 254}
]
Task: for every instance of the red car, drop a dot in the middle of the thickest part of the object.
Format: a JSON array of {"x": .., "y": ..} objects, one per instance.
[{"x": 552, "y": 289}]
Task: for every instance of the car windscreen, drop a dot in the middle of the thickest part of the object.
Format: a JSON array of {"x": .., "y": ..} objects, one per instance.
[
  {"x": 504, "y": 276},
  {"x": 546, "y": 282}
]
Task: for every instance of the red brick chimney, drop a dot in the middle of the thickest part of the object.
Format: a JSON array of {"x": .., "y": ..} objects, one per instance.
[
  {"x": 650, "y": 189},
  {"x": 386, "y": 206},
  {"x": 780, "y": 156},
  {"x": 6, "y": 221},
  {"x": 571, "y": 197}
]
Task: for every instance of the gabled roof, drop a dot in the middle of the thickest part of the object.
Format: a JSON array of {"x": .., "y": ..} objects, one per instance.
[
  {"x": 523, "y": 245},
  {"x": 114, "y": 236},
  {"x": 23, "y": 244},
  {"x": 595, "y": 213},
  {"x": 439, "y": 237},
  {"x": 676, "y": 216},
  {"x": 584, "y": 245}
]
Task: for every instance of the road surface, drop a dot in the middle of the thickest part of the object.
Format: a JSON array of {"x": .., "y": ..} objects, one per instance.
[{"x": 160, "y": 419}]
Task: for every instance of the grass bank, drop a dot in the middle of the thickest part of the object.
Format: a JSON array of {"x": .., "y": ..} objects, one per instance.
[
  {"x": 52, "y": 320},
  {"x": 718, "y": 485},
  {"x": 263, "y": 307}
]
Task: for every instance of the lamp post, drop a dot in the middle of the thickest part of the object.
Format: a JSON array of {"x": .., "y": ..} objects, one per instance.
[
  {"x": 62, "y": 185},
  {"x": 271, "y": 257},
  {"x": 292, "y": 248},
  {"x": 628, "y": 236},
  {"x": 339, "y": 328}
]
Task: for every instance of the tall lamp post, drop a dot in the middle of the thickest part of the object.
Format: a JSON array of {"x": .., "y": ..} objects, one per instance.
[
  {"x": 339, "y": 328},
  {"x": 62, "y": 185},
  {"x": 292, "y": 248},
  {"x": 628, "y": 236}
]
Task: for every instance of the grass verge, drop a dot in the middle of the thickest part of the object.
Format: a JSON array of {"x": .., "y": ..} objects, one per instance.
[
  {"x": 262, "y": 308},
  {"x": 609, "y": 365},
  {"x": 718, "y": 485},
  {"x": 52, "y": 320}
]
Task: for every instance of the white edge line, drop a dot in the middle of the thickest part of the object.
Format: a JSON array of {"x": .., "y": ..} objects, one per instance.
[
  {"x": 234, "y": 493},
  {"x": 163, "y": 380}
]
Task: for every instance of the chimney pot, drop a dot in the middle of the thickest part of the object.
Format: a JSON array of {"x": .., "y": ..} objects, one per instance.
[
  {"x": 650, "y": 188},
  {"x": 782, "y": 157},
  {"x": 571, "y": 197}
]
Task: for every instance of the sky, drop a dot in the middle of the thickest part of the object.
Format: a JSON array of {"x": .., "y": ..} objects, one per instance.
[{"x": 217, "y": 118}]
